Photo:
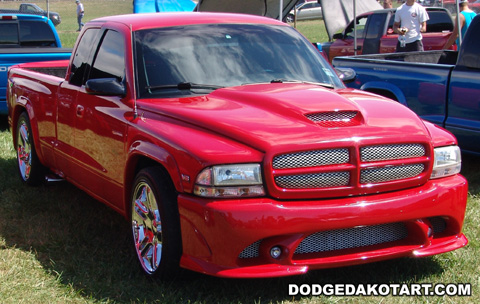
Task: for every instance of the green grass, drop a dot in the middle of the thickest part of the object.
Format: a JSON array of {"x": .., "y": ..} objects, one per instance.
[{"x": 58, "y": 245}]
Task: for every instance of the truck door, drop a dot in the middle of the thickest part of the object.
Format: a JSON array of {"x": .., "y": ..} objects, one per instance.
[
  {"x": 66, "y": 103},
  {"x": 463, "y": 118},
  {"x": 375, "y": 30},
  {"x": 100, "y": 124},
  {"x": 344, "y": 45}
]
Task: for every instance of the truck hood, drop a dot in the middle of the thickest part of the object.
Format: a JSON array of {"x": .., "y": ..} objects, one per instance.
[{"x": 272, "y": 116}]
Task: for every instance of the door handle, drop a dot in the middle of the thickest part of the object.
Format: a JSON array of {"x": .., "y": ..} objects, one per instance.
[{"x": 80, "y": 111}]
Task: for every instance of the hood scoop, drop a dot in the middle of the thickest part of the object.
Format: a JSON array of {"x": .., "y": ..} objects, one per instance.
[{"x": 336, "y": 119}]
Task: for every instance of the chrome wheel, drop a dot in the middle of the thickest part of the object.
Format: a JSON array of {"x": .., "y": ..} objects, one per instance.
[
  {"x": 155, "y": 223},
  {"x": 24, "y": 150},
  {"x": 31, "y": 171},
  {"x": 147, "y": 227}
]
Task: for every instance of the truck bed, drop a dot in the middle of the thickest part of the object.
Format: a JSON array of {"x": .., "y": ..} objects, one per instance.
[
  {"x": 418, "y": 80},
  {"x": 433, "y": 57}
]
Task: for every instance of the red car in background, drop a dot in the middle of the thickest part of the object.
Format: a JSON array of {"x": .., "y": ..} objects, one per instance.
[{"x": 375, "y": 33}]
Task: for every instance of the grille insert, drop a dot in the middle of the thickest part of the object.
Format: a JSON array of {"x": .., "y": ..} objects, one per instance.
[
  {"x": 311, "y": 159},
  {"x": 352, "y": 238},
  {"x": 378, "y": 175},
  {"x": 334, "y": 119},
  {"x": 438, "y": 224},
  {"x": 252, "y": 251},
  {"x": 389, "y": 152},
  {"x": 318, "y": 180}
]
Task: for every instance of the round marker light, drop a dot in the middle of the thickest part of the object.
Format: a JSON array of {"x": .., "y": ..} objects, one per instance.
[{"x": 275, "y": 252}]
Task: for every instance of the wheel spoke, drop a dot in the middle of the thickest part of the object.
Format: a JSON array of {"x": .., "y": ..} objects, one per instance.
[
  {"x": 147, "y": 227},
  {"x": 24, "y": 152}
]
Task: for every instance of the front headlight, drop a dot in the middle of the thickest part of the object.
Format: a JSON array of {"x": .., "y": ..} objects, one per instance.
[
  {"x": 447, "y": 161},
  {"x": 230, "y": 181}
]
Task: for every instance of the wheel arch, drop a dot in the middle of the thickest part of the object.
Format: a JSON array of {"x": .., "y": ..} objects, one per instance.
[
  {"x": 385, "y": 89},
  {"x": 21, "y": 107},
  {"x": 142, "y": 157}
]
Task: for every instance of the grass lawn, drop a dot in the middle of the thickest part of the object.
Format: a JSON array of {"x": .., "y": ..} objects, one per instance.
[{"x": 58, "y": 245}]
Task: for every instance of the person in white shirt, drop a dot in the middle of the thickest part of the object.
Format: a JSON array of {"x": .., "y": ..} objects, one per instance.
[
  {"x": 410, "y": 22},
  {"x": 80, "y": 13}
]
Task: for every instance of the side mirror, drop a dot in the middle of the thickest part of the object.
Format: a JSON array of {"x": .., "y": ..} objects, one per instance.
[
  {"x": 346, "y": 75},
  {"x": 338, "y": 36},
  {"x": 105, "y": 87}
]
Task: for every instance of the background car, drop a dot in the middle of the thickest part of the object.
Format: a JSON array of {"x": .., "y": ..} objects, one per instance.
[{"x": 306, "y": 11}]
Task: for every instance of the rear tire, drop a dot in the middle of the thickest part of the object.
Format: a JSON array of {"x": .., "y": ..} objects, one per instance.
[
  {"x": 155, "y": 223},
  {"x": 31, "y": 171}
]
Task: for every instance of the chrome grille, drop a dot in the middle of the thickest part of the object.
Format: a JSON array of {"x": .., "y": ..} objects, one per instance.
[
  {"x": 311, "y": 159},
  {"x": 351, "y": 167},
  {"x": 388, "y": 152},
  {"x": 352, "y": 238},
  {"x": 385, "y": 174},
  {"x": 318, "y": 180},
  {"x": 251, "y": 251},
  {"x": 344, "y": 116}
]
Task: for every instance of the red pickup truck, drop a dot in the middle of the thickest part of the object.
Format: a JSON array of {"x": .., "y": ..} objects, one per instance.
[
  {"x": 375, "y": 33},
  {"x": 233, "y": 149}
]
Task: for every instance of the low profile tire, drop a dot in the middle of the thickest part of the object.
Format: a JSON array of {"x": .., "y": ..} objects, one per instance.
[
  {"x": 155, "y": 224},
  {"x": 32, "y": 172}
]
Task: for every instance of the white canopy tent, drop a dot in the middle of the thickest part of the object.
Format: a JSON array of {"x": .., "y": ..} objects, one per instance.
[{"x": 337, "y": 14}]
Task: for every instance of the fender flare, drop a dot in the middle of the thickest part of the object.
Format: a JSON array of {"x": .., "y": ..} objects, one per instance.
[
  {"x": 23, "y": 104},
  {"x": 152, "y": 154}
]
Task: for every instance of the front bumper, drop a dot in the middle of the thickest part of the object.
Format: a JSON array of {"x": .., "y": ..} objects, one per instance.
[{"x": 233, "y": 238}]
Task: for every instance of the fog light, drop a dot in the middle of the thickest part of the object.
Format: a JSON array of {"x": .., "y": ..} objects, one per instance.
[
  {"x": 275, "y": 252},
  {"x": 430, "y": 232}
]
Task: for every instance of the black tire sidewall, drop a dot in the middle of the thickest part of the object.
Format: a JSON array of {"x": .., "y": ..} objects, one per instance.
[{"x": 167, "y": 204}]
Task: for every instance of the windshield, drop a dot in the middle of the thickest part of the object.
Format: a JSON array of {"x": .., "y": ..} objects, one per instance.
[{"x": 209, "y": 56}]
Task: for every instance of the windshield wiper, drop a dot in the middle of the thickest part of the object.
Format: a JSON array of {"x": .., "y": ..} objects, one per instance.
[
  {"x": 282, "y": 80},
  {"x": 185, "y": 86}
]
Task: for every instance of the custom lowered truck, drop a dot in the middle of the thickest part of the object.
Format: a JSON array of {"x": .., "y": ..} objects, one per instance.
[
  {"x": 233, "y": 149},
  {"x": 26, "y": 38},
  {"x": 442, "y": 87}
]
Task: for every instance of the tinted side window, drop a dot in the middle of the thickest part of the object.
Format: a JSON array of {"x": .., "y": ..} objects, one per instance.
[
  {"x": 469, "y": 56},
  {"x": 33, "y": 33},
  {"x": 375, "y": 26},
  {"x": 8, "y": 33},
  {"x": 439, "y": 21},
  {"x": 361, "y": 22},
  {"x": 110, "y": 59},
  {"x": 80, "y": 60}
]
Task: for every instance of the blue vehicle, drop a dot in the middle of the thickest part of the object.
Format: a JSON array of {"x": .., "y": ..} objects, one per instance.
[
  {"x": 158, "y": 6},
  {"x": 26, "y": 38},
  {"x": 442, "y": 87}
]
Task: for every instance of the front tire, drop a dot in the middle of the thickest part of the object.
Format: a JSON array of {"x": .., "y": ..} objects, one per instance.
[
  {"x": 31, "y": 171},
  {"x": 155, "y": 223}
]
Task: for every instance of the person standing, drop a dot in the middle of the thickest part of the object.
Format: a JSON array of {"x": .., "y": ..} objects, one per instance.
[
  {"x": 466, "y": 16},
  {"x": 410, "y": 22},
  {"x": 387, "y": 4},
  {"x": 80, "y": 13}
]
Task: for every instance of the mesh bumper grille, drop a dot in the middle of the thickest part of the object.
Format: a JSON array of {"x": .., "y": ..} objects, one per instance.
[{"x": 352, "y": 238}]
